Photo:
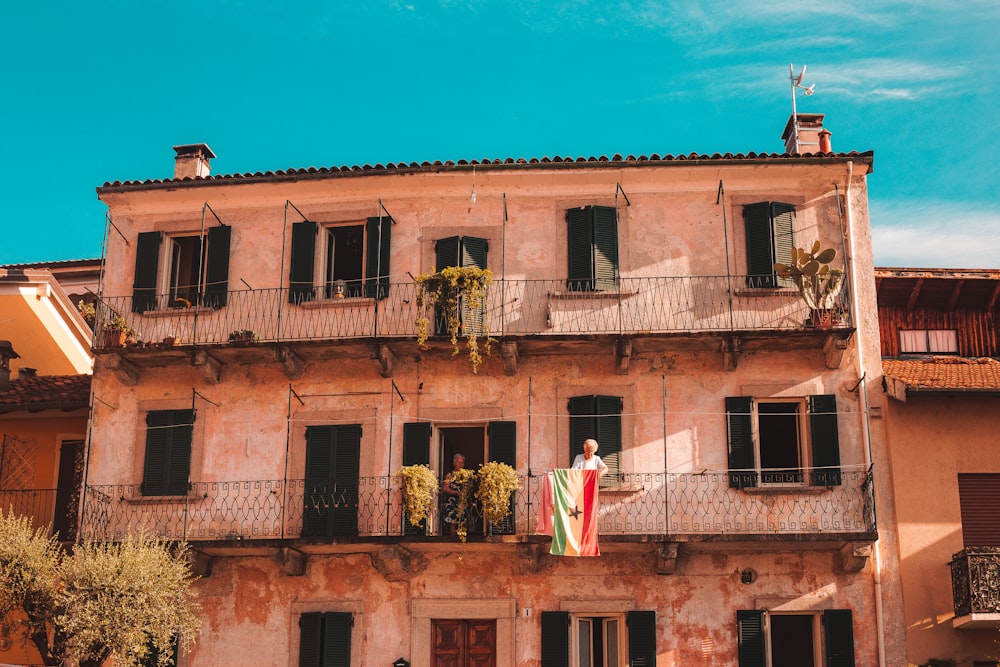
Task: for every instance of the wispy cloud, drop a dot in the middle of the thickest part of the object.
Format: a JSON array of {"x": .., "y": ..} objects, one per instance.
[{"x": 935, "y": 234}]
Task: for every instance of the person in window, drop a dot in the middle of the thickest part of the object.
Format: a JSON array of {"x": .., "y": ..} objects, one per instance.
[
  {"x": 453, "y": 514},
  {"x": 589, "y": 460}
]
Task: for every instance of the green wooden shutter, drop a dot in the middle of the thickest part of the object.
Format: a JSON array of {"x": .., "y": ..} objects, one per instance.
[
  {"x": 347, "y": 466},
  {"x": 555, "y": 639},
  {"x": 739, "y": 424},
  {"x": 147, "y": 257},
  {"x": 447, "y": 252},
  {"x": 217, "y": 266},
  {"x": 760, "y": 245},
  {"x": 839, "y": 630},
  {"x": 168, "y": 452},
  {"x": 608, "y": 427},
  {"x": 318, "y": 481},
  {"x": 825, "y": 440},
  {"x": 752, "y": 649},
  {"x": 503, "y": 448},
  {"x": 416, "y": 443},
  {"x": 311, "y": 640},
  {"x": 580, "y": 252},
  {"x": 582, "y": 424},
  {"x": 605, "y": 247},
  {"x": 473, "y": 253},
  {"x": 782, "y": 222},
  {"x": 337, "y": 639},
  {"x": 379, "y": 233},
  {"x": 301, "y": 271},
  {"x": 641, "y": 638},
  {"x": 178, "y": 478}
]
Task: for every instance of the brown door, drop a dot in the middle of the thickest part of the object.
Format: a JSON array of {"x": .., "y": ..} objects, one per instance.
[{"x": 464, "y": 643}]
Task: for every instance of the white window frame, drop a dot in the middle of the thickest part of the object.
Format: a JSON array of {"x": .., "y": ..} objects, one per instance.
[
  {"x": 928, "y": 341},
  {"x": 818, "y": 636},
  {"x": 170, "y": 276},
  {"x": 580, "y": 620},
  {"x": 323, "y": 261},
  {"x": 803, "y": 441}
]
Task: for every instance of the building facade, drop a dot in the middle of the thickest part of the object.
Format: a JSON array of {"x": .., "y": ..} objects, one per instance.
[
  {"x": 939, "y": 331},
  {"x": 272, "y": 383}
]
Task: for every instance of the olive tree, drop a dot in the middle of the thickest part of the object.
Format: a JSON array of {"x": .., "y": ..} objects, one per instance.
[{"x": 129, "y": 600}]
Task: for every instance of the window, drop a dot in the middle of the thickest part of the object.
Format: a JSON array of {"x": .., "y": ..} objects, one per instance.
[
  {"x": 181, "y": 270},
  {"x": 168, "y": 452},
  {"x": 333, "y": 456},
  {"x": 598, "y": 640},
  {"x": 600, "y": 418},
  {"x": 351, "y": 259},
  {"x": 462, "y": 251},
  {"x": 769, "y": 239},
  {"x": 593, "y": 248},
  {"x": 773, "y": 441},
  {"x": 932, "y": 341},
  {"x": 979, "y": 500},
  {"x": 325, "y": 639},
  {"x": 770, "y": 639}
]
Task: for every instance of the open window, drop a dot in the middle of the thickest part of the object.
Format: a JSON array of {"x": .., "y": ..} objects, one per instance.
[
  {"x": 772, "y": 639},
  {"x": 600, "y": 418},
  {"x": 597, "y": 639},
  {"x": 340, "y": 260},
  {"x": 769, "y": 238},
  {"x": 593, "y": 249},
  {"x": 181, "y": 270},
  {"x": 775, "y": 441}
]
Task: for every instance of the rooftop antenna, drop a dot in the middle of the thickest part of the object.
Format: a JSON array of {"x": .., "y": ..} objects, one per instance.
[{"x": 807, "y": 91}]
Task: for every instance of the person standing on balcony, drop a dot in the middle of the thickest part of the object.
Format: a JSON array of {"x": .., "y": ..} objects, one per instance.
[
  {"x": 453, "y": 513},
  {"x": 589, "y": 460}
]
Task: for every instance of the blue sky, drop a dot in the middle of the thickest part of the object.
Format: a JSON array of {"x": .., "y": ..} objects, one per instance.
[{"x": 99, "y": 91}]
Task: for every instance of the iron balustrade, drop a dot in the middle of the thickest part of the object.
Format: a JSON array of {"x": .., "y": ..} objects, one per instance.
[
  {"x": 667, "y": 504},
  {"x": 646, "y": 305},
  {"x": 975, "y": 581}
]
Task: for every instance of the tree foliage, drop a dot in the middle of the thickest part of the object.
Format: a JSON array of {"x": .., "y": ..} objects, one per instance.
[{"x": 128, "y": 601}]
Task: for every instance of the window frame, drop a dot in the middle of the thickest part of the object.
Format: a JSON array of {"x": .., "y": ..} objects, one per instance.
[
  {"x": 168, "y": 483},
  {"x": 636, "y": 634},
  {"x": 831, "y": 629},
  {"x": 926, "y": 335},
  {"x": 769, "y": 230},
  {"x": 598, "y": 417},
  {"x": 156, "y": 281},
  {"x": 327, "y": 623},
  {"x": 593, "y": 255},
  {"x": 309, "y": 261}
]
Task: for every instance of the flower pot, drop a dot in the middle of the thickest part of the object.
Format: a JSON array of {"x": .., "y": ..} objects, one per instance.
[{"x": 111, "y": 338}]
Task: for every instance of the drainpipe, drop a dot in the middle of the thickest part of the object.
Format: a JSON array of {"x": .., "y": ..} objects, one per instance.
[{"x": 865, "y": 416}]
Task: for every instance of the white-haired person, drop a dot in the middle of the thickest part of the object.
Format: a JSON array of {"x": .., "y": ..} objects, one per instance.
[{"x": 589, "y": 460}]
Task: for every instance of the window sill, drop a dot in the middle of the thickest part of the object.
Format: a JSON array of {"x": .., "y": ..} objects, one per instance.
[
  {"x": 180, "y": 310},
  {"x": 592, "y": 294},
  {"x": 153, "y": 500},
  {"x": 346, "y": 302},
  {"x": 779, "y": 489}
]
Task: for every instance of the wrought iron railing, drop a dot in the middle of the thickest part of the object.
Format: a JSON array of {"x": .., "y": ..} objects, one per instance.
[
  {"x": 40, "y": 505},
  {"x": 975, "y": 581},
  {"x": 647, "y": 305},
  {"x": 630, "y": 504}
]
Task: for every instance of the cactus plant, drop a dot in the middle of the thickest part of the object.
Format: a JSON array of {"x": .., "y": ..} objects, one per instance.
[{"x": 810, "y": 271}]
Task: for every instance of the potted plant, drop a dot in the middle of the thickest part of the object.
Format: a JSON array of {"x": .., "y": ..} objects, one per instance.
[
  {"x": 456, "y": 294},
  {"x": 419, "y": 486},
  {"x": 114, "y": 332},
  {"x": 496, "y": 482},
  {"x": 817, "y": 282},
  {"x": 243, "y": 336}
]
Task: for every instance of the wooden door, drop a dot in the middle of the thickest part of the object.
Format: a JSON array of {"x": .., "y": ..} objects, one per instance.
[{"x": 457, "y": 643}]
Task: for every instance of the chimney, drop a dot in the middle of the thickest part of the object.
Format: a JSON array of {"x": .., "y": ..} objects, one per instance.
[
  {"x": 824, "y": 141},
  {"x": 6, "y": 354},
  {"x": 810, "y": 126},
  {"x": 192, "y": 161}
]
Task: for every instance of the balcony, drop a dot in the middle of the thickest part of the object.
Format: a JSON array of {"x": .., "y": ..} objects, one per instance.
[
  {"x": 975, "y": 587},
  {"x": 688, "y": 310},
  {"x": 670, "y": 506},
  {"x": 45, "y": 507}
]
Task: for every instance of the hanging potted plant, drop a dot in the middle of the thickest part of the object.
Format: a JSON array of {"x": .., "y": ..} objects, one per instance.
[
  {"x": 457, "y": 295},
  {"x": 419, "y": 485},
  {"x": 496, "y": 482},
  {"x": 818, "y": 284}
]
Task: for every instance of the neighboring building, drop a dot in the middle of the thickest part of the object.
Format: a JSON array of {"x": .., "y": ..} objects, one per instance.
[
  {"x": 273, "y": 385},
  {"x": 940, "y": 331}
]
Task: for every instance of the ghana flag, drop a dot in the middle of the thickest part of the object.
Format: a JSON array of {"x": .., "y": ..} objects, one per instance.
[{"x": 574, "y": 513}]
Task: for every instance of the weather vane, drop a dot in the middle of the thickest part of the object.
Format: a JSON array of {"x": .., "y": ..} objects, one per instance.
[{"x": 797, "y": 85}]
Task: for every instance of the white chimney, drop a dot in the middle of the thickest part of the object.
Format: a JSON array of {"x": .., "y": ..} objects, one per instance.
[{"x": 192, "y": 161}]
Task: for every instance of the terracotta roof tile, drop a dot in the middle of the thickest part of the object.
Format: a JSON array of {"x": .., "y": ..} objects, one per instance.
[
  {"x": 438, "y": 165},
  {"x": 46, "y": 392},
  {"x": 945, "y": 373}
]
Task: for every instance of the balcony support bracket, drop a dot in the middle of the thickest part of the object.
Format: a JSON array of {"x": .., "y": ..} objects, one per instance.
[
  {"x": 209, "y": 367},
  {"x": 201, "y": 563},
  {"x": 397, "y": 563},
  {"x": 666, "y": 559},
  {"x": 529, "y": 558},
  {"x": 126, "y": 372},
  {"x": 854, "y": 556},
  {"x": 731, "y": 352},
  {"x": 834, "y": 349},
  {"x": 294, "y": 366},
  {"x": 291, "y": 561},
  {"x": 383, "y": 354},
  {"x": 623, "y": 354},
  {"x": 508, "y": 350}
]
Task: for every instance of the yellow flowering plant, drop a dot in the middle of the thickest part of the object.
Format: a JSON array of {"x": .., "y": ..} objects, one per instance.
[
  {"x": 419, "y": 484},
  {"x": 454, "y": 290},
  {"x": 462, "y": 480},
  {"x": 496, "y": 482}
]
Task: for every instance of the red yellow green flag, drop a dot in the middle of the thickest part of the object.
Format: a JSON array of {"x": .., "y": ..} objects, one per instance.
[{"x": 574, "y": 513}]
